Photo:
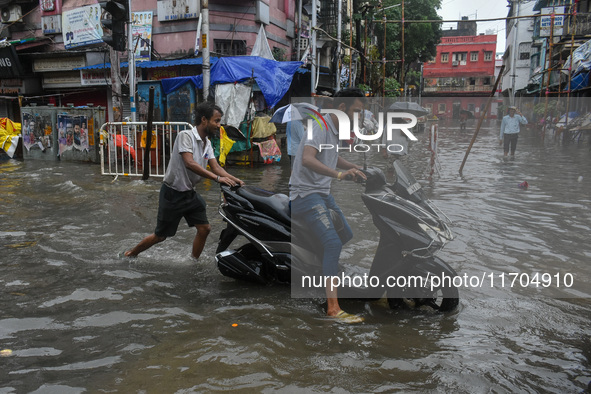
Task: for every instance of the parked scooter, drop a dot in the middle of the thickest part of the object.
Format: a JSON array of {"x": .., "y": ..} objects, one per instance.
[{"x": 412, "y": 229}]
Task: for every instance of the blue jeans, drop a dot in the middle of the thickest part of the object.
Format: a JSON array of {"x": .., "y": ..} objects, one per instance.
[{"x": 313, "y": 212}]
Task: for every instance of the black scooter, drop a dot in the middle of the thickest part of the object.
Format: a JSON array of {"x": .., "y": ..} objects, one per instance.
[{"x": 412, "y": 229}]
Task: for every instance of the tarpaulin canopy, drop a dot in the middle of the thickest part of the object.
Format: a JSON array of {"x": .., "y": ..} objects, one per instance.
[
  {"x": 581, "y": 59},
  {"x": 272, "y": 77}
]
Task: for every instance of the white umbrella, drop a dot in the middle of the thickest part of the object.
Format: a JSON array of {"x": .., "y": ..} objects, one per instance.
[{"x": 295, "y": 111}]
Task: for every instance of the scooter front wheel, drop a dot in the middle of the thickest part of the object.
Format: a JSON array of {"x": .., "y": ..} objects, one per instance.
[{"x": 428, "y": 296}]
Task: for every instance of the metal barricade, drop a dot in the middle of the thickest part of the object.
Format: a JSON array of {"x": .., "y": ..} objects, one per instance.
[{"x": 122, "y": 147}]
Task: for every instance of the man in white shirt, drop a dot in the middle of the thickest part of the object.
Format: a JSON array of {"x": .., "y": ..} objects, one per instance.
[
  {"x": 510, "y": 129},
  {"x": 191, "y": 154}
]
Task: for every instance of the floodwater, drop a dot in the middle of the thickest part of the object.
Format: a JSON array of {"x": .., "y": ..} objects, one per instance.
[{"x": 77, "y": 318}]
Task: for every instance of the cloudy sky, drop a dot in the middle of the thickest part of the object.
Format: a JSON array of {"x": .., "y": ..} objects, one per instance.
[{"x": 477, "y": 9}]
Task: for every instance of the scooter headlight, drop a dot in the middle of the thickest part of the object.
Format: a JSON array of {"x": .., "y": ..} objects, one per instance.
[{"x": 431, "y": 231}]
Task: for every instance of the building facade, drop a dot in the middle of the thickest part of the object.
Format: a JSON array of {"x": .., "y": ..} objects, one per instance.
[
  {"x": 55, "y": 54},
  {"x": 461, "y": 76}
]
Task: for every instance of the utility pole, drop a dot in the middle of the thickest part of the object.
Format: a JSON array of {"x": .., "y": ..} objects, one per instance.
[
  {"x": 313, "y": 44},
  {"x": 205, "y": 46},
  {"x": 514, "y": 65},
  {"x": 338, "y": 67},
  {"x": 115, "y": 85},
  {"x": 131, "y": 65}
]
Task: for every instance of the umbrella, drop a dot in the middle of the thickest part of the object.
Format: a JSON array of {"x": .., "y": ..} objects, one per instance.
[
  {"x": 409, "y": 107},
  {"x": 296, "y": 111},
  {"x": 469, "y": 114}
]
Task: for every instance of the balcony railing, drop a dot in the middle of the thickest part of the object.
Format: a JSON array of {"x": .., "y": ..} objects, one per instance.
[{"x": 469, "y": 88}]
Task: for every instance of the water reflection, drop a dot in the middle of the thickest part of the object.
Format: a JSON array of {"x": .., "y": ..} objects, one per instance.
[{"x": 78, "y": 318}]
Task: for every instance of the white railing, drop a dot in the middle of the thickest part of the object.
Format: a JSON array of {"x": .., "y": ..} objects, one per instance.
[{"x": 122, "y": 147}]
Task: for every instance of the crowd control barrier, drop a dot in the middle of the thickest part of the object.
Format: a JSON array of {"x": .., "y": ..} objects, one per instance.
[{"x": 123, "y": 144}]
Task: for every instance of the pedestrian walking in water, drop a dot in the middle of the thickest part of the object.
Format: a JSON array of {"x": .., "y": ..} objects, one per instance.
[
  {"x": 510, "y": 127},
  {"x": 191, "y": 154}
]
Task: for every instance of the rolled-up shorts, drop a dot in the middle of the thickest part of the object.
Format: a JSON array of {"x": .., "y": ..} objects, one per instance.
[{"x": 174, "y": 205}]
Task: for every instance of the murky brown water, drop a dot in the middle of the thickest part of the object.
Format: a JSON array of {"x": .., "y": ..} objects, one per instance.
[{"x": 79, "y": 319}]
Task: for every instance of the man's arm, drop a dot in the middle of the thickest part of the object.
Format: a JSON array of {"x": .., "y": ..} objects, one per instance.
[
  {"x": 192, "y": 165},
  {"x": 312, "y": 163},
  {"x": 223, "y": 174}
]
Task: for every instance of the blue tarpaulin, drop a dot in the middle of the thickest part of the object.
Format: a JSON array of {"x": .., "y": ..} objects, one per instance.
[
  {"x": 580, "y": 81},
  {"x": 169, "y": 85},
  {"x": 272, "y": 77}
]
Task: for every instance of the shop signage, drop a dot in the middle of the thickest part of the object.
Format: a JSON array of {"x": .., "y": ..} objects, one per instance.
[
  {"x": 51, "y": 24},
  {"x": 58, "y": 64},
  {"x": 94, "y": 77},
  {"x": 50, "y": 7},
  {"x": 64, "y": 79},
  {"x": 11, "y": 86},
  {"x": 10, "y": 66},
  {"x": 172, "y": 10},
  {"x": 546, "y": 21}
]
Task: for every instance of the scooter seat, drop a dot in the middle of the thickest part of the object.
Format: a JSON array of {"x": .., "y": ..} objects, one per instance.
[{"x": 275, "y": 205}]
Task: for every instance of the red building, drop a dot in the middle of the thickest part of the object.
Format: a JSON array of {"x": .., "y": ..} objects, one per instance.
[{"x": 461, "y": 76}]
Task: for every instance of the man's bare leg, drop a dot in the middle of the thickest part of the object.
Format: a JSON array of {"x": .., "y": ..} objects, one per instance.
[
  {"x": 144, "y": 244},
  {"x": 203, "y": 231}
]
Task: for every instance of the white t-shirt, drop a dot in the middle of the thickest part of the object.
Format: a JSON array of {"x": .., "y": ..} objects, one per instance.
[{"x": 179, "y": 177}]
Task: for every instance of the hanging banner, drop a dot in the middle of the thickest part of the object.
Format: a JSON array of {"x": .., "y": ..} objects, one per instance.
[
  {"x": 10, "y": 66},
  {"x": 82, "y": 26},
  {"x": 141, "y": 29}
]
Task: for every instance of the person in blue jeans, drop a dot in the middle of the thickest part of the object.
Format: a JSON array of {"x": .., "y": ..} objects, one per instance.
[{"x": 314, "y": 169}]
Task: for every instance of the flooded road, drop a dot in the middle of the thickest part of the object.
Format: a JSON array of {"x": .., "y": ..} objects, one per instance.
[{"x": 77, "y": 318}]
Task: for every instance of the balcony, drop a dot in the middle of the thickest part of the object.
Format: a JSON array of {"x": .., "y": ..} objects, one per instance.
[
  {"x": 458, "y": 89},
  {"x": 583, "y": 25}
]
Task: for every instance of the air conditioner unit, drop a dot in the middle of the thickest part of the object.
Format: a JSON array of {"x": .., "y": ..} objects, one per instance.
[
  {"x": 455, "y": 63},
  {"x": 12, "y": 13},
  {"x": 303, "y": 44}
]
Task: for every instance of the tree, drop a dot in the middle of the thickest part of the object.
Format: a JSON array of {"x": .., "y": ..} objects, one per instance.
[{"x": 420, "y": 39}]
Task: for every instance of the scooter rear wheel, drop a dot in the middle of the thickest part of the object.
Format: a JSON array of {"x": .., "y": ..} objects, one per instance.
[{"x": 441, "y": 299}]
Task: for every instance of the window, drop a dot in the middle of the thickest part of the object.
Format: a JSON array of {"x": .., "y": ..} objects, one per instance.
[
  {"x": 473, "y": 56},
  {"x": 524, "y": 50},
  {"x": 486, "y": 81},
  {"x": 472, "y": 81},
  {"x": 441, "y": 108},
  {"x": 444, "y": 57},
  {"x": 230, "y": 47},
  {"x": 488, "y": 56}
]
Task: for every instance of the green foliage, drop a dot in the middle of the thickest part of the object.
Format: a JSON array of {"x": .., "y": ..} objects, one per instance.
[
  {"x": 420, "y": 39},
  {"x": 279, "y": 54},
  {"x": 392, "y": 87}
]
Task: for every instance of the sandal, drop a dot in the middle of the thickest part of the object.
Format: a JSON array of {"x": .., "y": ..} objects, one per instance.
[{"x": 348, "y": 318}]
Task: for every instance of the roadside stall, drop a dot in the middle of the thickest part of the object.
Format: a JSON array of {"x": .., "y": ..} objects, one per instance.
[{"x": 246, "y": 88}]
